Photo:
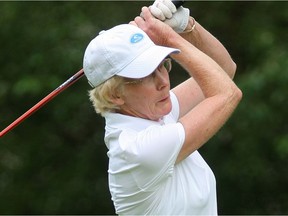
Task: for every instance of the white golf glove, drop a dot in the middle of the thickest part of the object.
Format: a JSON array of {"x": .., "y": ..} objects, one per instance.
[{"x": 166, "y": 11}]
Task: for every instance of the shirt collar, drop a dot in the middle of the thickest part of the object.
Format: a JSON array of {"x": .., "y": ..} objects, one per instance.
[{"x": 120, "y": 121}]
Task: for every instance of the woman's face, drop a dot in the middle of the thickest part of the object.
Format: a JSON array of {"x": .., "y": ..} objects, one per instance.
[{"x": 148, "y": 97}]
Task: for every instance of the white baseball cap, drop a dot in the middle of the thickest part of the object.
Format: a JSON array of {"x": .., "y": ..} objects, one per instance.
[{"x": 124, "y": 50}]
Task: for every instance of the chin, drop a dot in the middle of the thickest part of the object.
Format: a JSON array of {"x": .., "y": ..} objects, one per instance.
[{"x": 166, "y": 109}]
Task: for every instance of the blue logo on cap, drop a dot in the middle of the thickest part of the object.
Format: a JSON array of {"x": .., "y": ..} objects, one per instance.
[{"x": 136, "y": 38}]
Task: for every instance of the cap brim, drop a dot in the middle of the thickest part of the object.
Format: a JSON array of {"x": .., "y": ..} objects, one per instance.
[{"x": 144, "y": 64}]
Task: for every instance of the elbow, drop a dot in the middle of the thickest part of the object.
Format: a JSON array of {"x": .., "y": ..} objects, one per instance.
[
  {"x": 239, "y": 94},
  {"x": 233, "y": 94},
  {"x": 232, "y": 69},
  {"x": 236, "y": 95},
  {"x": 236, "y": 91},
  {"x": 232, "y": 98}
]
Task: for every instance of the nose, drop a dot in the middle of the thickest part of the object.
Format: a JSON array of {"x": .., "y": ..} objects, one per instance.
[{"x": 162, "y": 78}]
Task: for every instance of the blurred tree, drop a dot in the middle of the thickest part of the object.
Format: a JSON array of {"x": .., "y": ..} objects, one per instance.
[{"x": 56, "y": 163}]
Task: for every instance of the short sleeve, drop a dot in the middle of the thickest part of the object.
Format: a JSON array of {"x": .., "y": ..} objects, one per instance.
[
  {"x": 175, "y": 112},
  {"x": 152, "y": 152}
]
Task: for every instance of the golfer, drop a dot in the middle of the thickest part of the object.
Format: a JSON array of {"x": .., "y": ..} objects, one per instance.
[{"x": 152, "y": 132}]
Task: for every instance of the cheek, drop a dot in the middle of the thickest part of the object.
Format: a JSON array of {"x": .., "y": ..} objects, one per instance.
[
  {"x": 136, "y": 98},
  {"x": 144, "y": 101},
  {"x": 137, "y": 94}
]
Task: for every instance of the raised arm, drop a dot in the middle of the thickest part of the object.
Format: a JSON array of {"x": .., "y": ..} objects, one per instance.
[
  {"x": 221, "y": 95},
  {"x": 189, "y": 93},
  {"x": 210, "y": 45}
]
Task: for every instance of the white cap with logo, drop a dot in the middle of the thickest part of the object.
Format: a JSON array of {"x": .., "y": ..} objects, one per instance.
[{"x": 124, "y": 50}]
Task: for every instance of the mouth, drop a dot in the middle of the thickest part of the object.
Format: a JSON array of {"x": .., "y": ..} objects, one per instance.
[{"x": 164, "y": 99}]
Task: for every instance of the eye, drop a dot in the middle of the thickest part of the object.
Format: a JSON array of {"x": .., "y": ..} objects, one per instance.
[
  {"x": 149, "y": 78},
  {"x": 153, "y": 75},
  {"x": 167, "y": 64}
]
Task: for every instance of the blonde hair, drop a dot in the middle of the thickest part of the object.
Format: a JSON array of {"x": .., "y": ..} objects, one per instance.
[{"x": 101, "y": 96}]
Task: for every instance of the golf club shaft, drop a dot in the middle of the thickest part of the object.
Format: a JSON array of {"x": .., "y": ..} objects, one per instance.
[{"x": 42, "y": 102}]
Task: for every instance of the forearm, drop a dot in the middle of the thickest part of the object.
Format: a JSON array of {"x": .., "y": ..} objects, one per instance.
[
  {"x": 210, "y": 45},
  {"x": 221, "y": 97},
  {"x": 210, "y": 76}
]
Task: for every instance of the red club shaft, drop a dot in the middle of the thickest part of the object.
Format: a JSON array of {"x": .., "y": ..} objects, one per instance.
[{"x": 42, "y": 102}]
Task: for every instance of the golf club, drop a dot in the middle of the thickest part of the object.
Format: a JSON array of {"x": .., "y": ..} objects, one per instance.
[
  {"x": 42, "y": 102},
  {"x": 54, "y": 93}
]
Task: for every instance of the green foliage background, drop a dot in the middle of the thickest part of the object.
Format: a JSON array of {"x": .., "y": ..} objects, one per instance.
[{"x": 55, "y": 162}]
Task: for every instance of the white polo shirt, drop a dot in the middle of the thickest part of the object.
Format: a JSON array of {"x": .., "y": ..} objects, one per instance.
[{"x": 143, "y": 177}]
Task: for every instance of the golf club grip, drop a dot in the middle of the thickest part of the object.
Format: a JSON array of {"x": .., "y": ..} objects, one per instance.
[{"x": 178, "y": 3}]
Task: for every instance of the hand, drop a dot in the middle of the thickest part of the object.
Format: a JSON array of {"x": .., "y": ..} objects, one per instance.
[
  {"x": 158, "y": 32},
  {"x": 166, "y": 11}
]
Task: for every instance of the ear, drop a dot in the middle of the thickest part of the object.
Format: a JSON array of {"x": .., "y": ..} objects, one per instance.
[{"x": 117, "y": 99}]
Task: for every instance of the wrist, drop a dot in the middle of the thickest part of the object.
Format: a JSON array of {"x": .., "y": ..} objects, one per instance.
[{"x": 191, "y": 25}]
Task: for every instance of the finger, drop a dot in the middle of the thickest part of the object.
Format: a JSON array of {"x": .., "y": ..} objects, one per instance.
[
  {"x": 156, "y": 12},
  {"x": 146, "y": 14},
  {"x": 165, "y": 10},
  {"x": 170, "y": 5},
  {"x": 133, "y": 23},
  {"x": 139, "y": 21}
]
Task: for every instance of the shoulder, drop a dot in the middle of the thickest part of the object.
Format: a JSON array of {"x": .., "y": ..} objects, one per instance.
[{"x": 145, "y": 146}]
